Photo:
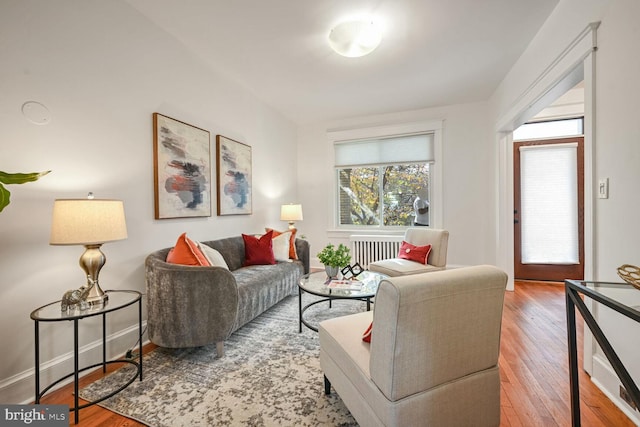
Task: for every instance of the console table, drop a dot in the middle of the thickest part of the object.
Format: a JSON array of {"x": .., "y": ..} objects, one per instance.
[
  {"x": 51, "y": 313},
  {"x": 600, "y": 292}
]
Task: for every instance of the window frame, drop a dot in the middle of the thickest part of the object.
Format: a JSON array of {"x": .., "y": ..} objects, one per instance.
[{"x": 434, "y": 127}]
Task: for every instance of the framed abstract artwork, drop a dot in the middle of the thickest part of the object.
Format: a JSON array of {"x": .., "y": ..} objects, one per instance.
[
  {"x": 182, "y": 169},
  {"x": 233, "y": 164}
]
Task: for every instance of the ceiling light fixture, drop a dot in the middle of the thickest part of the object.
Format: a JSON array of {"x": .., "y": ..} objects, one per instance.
[{"x": 355, "y": 38}]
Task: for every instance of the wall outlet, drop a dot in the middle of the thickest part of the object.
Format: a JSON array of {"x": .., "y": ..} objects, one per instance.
[{"x": 624, "y": 394}]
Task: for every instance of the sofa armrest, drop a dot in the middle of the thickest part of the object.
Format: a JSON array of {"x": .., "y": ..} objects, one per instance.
[
  {"x": 188, "y": 306},
  {"x": 303, "y": 250}
]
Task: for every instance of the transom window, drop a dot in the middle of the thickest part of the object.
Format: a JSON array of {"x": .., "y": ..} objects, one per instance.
[{"x": 549, "y": 129}]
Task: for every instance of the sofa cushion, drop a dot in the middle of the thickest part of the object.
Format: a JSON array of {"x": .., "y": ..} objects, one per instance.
[
  {"x": 262, "y": 286},
  {"x": 292, "y": 242},
  {"x": 258, "y": 251},
  {"x": 401, "y": 267},
  {"x": 413, "y": 252},
  {"x": 187, "y": 252},
  {"x": 281, "y": 243},
  {"x": 340, "y": 341},
  {"x": 366, "y": 336},
  {"x": 214, "y": 257}
]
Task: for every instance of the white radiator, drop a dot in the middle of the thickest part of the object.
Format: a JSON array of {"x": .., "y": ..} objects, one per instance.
[{"x": 367, "y": 249}]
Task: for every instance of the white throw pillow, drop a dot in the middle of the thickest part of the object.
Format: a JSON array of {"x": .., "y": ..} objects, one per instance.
[
  {"x": 214, "y": 257},
  {"x": 280, "y": 245}
]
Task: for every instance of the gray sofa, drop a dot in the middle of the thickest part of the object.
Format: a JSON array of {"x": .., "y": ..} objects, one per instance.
[{"x": 195, "y": 306}]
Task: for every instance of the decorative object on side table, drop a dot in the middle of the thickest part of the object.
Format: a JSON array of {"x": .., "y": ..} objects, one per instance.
[
  {"x": 630, "y": 274},
  {"x": 89, "y": 222},
  {"x": 351, "y": 271},
  {"x": 334, "y": 258},
  {"x": 75, "y": 298}
]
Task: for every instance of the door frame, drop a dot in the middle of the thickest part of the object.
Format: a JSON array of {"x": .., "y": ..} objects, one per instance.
[{"x": 577, "y": 57}]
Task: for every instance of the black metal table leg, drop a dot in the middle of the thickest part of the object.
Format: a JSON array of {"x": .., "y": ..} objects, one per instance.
[
  {"x": 76, "y": 371},
  {"x": 573, "y": 359},
  {"x": 104, "y": 343},
  {"x": 140, "y": 336},
  {"x": 37, "y": 332},
  {"x": 299, "y": 310}
]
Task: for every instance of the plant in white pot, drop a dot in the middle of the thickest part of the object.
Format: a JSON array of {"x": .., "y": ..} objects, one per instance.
[{"x": 334, "y": 258}]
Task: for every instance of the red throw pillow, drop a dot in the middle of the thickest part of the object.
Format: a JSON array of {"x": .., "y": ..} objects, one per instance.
[
  {"x": 258, "y": 251},
  {"x": 292, "y": 242},
  {"x": 187, "y": 252},
  {"x": 366, "y": 337},
  {"x": 414, "y": 253}
]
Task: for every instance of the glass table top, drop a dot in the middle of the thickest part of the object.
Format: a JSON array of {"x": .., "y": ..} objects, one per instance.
[
  {"x": 117, "y": 299},
  {"x": 319, "y": 284},
  {"x": 619, "y": 293}
]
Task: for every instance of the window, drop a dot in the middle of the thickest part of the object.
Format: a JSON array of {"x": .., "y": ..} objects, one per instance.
[
  {"x": 549, "y": 204},
  {"x": 549, "y": 129},
  {"x": 381, "y": 182}
]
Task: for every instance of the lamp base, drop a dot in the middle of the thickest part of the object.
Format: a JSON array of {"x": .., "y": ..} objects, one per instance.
[
  {"x": 97, "y": 296},
  {"x": 91, "y": 262}
]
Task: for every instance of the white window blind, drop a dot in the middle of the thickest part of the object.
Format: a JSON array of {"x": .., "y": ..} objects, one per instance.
[
  {"x": 549, "y": 204},
  {"x": 400, "y": 149}
]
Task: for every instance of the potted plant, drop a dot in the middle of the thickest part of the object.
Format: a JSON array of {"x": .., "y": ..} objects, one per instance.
[{"x": 334, "y": 258}]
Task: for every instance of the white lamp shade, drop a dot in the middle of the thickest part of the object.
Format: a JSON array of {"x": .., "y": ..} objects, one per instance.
[
  {"x": 87, "y": 221},
  {"x": 355, "y": 38},
  {"x": 291, "y": 212}
]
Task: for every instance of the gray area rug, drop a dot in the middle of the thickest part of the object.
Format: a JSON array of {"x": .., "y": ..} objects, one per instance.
[{"x": 270, "y": 376}]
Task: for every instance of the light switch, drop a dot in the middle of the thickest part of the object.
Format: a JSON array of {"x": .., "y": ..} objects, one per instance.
[{"x": 603, "y": 188}]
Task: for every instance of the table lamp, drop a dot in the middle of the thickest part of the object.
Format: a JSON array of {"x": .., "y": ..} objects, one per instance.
[
  {"x": 291, "y": 213},
  {"x": 89, "y": 222}
]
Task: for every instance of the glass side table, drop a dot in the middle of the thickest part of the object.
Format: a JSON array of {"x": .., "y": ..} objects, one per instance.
[
  {"x": 608, "y": 294},
  {"x": 52, "y": 313}
]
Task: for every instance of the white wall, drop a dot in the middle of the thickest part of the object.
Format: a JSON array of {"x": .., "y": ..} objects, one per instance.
[
  {"x": 102, "y": 70},
  {"x": 616, "y": 143},
  {"x": 468, "y": 165}
]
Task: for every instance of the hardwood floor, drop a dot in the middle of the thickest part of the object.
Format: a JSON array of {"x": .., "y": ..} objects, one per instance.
[{"x": 533, "y": 368}]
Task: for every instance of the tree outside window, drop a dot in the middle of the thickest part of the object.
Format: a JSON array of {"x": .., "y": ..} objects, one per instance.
[{"x": 380, "y": 195}]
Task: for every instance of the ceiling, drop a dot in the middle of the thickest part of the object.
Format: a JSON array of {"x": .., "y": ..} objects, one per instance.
[{"x": 433, "y": 52}]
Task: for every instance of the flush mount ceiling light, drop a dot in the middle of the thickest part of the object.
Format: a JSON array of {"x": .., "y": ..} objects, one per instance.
[{"x": 355, "y": 38}]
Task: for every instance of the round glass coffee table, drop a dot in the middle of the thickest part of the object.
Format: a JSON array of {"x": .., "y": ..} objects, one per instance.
[{"x": 363, "y": 289}]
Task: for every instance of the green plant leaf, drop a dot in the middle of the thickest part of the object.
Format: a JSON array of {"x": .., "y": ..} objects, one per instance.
[
  {"x": 20, "y": 178},
  {"x": 335, "y": 257},
  {"x": 4, "y": 197}
]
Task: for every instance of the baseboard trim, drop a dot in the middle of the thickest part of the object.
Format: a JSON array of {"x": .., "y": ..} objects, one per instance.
[
  {"x": 20, "y": 388},
  {"x": 605, "y": 378}
]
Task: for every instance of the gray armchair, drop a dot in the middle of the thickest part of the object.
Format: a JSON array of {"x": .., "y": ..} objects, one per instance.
[{"x": 433, "y": 356}]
